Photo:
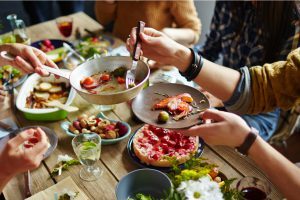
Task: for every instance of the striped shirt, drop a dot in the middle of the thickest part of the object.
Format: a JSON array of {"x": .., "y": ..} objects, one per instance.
[{"x": 241, "y": 44}]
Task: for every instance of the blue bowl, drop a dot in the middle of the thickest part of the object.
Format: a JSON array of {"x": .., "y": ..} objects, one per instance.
[
  {"x": 55, "y": 42},
  {"x": 146, "y": 181},
  {"x": 65, "y": 126}
]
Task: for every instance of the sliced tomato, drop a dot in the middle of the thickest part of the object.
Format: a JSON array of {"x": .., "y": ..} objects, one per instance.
[
  {"x": 88, "y": 81},
  {"x": 33, "y": 140},
  {"x": 105, "y": 77},
  {"x": 120, "y": 80},
  {"x": 89, "y": 87},
  {"x": 28, "y": 145}
]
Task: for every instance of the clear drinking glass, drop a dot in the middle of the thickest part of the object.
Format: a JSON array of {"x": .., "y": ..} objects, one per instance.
[
  {"x": 253, "y": 188},
  {"x": 87, "y": 147}
]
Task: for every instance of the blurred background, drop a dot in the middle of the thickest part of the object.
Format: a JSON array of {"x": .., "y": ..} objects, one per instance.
[{"x": 204, "y": 8}]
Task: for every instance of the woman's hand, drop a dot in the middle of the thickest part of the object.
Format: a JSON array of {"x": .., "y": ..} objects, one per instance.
[
  {"x": 15, "y": 158},
  {"x": 160, "y": 48},
  {"x": 28, "y": 59},
  {"x": 226, "y": 129}
]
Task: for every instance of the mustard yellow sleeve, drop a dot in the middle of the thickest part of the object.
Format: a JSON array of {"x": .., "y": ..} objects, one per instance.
[
  {"x": 105, "y": 12},
  {"x": 186, "y": 16},
  {"x": 276, "y": 84}
]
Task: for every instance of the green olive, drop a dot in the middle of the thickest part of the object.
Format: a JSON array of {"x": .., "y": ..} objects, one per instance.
[{"x": 163, "y": 117}]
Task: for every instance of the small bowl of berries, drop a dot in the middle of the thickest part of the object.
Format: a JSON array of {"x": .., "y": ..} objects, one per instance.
[{"x": 110, "y": 131}]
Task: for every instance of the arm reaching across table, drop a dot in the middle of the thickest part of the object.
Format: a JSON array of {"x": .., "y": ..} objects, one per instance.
[
  {"x": 230, "y": 130},
  {"x": 248, "y": 91},
  {"x": 28, "y": 59}
]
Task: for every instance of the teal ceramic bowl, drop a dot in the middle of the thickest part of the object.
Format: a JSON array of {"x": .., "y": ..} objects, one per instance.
[
  {"x": 65, "y": 127},
  {"x": 146, "y": 181}
]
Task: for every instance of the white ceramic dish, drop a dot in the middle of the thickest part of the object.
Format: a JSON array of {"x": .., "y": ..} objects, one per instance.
[{"x": 45, "y": 114}]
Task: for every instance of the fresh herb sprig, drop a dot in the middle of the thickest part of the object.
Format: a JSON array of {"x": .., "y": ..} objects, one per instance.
[{"x": 63, "y": 166}]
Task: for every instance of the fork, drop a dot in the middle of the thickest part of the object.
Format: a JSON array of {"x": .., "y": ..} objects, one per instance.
[{"x": 130, "y": 75}]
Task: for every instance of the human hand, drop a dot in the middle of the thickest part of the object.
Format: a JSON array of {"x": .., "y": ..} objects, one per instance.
[
  {"x": 2, "y": 94},
  {"x": 160, "y": 48},
  {"x": 226, "y": 129},
  {"x": 17, "y": 158},
  {"x": 28, "y": 59},
  {"x": 213, "y": 101}
]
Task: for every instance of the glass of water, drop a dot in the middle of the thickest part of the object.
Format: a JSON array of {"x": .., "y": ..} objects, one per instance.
[{"x": 87, "y": 148}]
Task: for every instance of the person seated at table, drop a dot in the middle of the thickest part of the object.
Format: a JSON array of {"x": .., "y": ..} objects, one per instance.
[
  {"x": 14, "y": 159},
  {"x": 40, "y": 11},
  {"x": 242, "y": 33},
  {"x": 249, "y": 90},
  {"x": 177, "y": 19}
]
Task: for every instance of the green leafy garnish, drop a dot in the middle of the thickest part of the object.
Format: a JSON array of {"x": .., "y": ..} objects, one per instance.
[
  {"x": 88, "y": 145},
  {"x": 62, "y": 166}
]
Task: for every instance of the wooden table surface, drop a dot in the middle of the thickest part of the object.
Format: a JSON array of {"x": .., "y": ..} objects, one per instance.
[{"x": 114, "y": 159}]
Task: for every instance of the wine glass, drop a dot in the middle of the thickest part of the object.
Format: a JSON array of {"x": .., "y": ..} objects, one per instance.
[
  {"x": 65, "y": 25},
  {"x": 253, "y": 188},
  {"x": 87, "y": 148}
]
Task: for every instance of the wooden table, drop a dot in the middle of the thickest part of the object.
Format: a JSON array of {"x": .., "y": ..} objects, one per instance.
[{"x": 114, "y": 159}]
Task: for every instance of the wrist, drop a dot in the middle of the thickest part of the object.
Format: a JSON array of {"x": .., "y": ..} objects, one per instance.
[
  {"x": 247, "y": 142},
  {"x": 183, "y": 58}
]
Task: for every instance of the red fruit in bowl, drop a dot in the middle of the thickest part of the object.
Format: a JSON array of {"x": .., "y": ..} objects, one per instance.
[
  {"x": 110, "y": 127},
  {"x": 76, "y": 124},
  {"x": 51, "y": 47},
  {"x": 122, "y": 128},
  {"x": 47, "y": 43}
]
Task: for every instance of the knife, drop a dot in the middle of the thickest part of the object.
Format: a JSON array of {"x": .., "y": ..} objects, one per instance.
[
  {"x": 6, "y": 127},
  {"x": 68, "y": 47},
  {"x": 27, "y": 180}
]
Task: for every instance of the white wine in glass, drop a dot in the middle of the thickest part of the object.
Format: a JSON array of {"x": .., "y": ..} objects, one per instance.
[{"x": 87, "y": 148}]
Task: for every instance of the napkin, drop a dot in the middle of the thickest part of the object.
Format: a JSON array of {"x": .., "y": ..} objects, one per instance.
[
  {"x": 66, "y": 184},
  {"x": 8, "y": 121}
]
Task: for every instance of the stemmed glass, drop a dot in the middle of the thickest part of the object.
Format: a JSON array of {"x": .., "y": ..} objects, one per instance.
[
  {"x": 253, "y": 188},
  {"x": 65, "y": 25},
  {"x": 87, "y": 147}
]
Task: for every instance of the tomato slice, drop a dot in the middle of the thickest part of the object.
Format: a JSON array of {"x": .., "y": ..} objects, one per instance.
[
  {"x": 105, "y": 77},
  {"x": 33, "y": 140},
  {"x": 120, "y": 80},
  {"x": 88, "y": 81}
]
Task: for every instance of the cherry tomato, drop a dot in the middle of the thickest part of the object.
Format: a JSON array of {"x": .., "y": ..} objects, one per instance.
[
  {"x": 47, "y": 43},
  {"x": 120, "y": 80},
  {"x": 88, "y": 81},
  {"x": 105, "y": 77}
]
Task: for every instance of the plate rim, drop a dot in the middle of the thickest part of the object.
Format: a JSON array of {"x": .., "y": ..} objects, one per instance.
[
  {"x": 50, "y": 131},
  {"x": 173, "y": 85}
]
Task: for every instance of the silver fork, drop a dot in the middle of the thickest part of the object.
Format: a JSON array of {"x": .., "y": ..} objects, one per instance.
[{"x": 130, "y": 75}]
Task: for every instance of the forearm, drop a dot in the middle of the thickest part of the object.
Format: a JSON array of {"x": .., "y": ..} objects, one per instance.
[
  {"x": 4, "y": 179},
  {"x": 284, "y": 174},
  {"x": 185, "y": 36},
  {"x": 218, "y": 80}
]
